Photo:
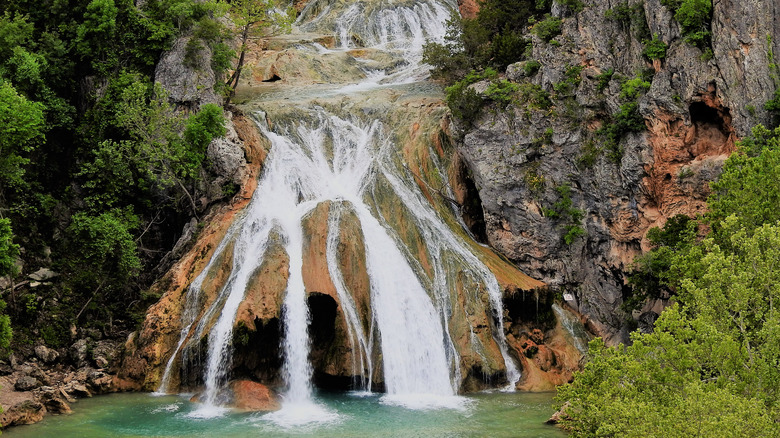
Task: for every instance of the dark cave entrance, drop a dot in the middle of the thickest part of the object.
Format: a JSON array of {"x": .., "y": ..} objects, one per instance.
[
  {"x": 322, "y": 323},
  {"x": 467, "y": 194},
  {"x": 705, "y": 115}
]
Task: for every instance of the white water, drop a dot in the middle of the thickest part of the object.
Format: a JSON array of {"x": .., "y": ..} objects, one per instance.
[{"x": 330, "y": 158}]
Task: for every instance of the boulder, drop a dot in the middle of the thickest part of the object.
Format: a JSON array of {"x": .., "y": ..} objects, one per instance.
[
  {"x": 45, "y": 354},
  {"x": 27, "y": 412},
  {"x": 26, "y": 383},
  {"x": 42, "y": 274},
  {"x": 556, "y": 417},
  {"x": 54, "y": 401},
  {"x": 253, "y": 396},
  {"x": 99, "y": 381},
  {"x": 78, "y": 352}
]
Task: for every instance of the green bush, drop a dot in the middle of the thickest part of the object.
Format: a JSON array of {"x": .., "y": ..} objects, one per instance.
[
  {"x": 464, "y": 102},
  {"x": 531, "y": 67},
  {"x": 535, "y": 96},
  {"x": 631, "y": 89},
  {"x": 564, "y": 210},
  {"x": 574, "y": 5},
  {"x": 604, "y": 78},
  {"x": 502, "y": 92},
  {"x": 631, "y": 18},
  {"x": 507, "y": 48},
  {"x": 773, "y": 105},
  {"x": 694, "y": 17},
  {"x": 202, "y": 127},
  {"x": 571, "y": 80},
  {"x": 548, "y": 28},
  {"x": 655, "y": 48}
]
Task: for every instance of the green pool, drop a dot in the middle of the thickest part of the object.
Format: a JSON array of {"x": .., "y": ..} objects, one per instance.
[{"x": 350, "y": 415}]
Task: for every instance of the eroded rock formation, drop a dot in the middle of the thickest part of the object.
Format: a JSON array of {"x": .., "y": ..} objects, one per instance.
[{"x": 695, "y": 110}]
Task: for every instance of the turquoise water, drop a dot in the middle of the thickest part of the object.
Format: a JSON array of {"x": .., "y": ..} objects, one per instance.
[{"x": 143, "y": 415}]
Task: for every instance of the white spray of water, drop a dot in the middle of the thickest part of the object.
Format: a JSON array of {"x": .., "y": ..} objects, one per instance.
[{"x": 420, "y": 363}]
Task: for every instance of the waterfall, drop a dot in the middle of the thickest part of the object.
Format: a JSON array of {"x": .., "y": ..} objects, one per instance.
[{"x": 347, "y": 158}]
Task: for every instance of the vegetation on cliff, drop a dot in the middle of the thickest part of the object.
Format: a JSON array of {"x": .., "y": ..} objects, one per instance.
[
  {"x": 710, "y": 364},
  {"x": 99, "y": 170}
]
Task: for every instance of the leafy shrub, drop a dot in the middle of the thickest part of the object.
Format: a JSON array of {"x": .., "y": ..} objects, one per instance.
[
  {"x": 464, "y": 102},
  {"x": 631, "y": 18},
  {"x": 571, "y": 80},
  {"x": 535, "y": 96},
  {"x": 773, "y": 105},
  {"x": 589, "y": 153},
  {"x": 604, "y": 78},
  {"x": 574, "y": 5},
  {"x": 202, "y": 127},
  {"x": 694, "y": 17},
  {"x": 548, "y": 28},
  {"x": 8, "y": 250},
  {"x": 655, "y": 48},
  {"x": 502, "y": 92},
  {"x": 631, "y": 89},
  {"x": 507, "y": 48},
  {"x": 531, "y": 67},
  {"x": 564, "y": 210}
]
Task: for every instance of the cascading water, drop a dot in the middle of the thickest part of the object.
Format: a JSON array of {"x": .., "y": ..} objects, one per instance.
[{"x": 320, "y": 155}]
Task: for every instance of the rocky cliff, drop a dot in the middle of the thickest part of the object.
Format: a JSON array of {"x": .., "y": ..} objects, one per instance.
[{"x": 543, "y": 167}]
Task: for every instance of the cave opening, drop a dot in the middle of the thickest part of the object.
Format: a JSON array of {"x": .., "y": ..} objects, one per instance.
[
  {"x": 256, "y": 353},
  {"x": 470, "y": 203},
  {"x": 322, "y": 323},
  {"x": 534, "y": 307},
  {"x": 273, "y": 78},
  {"x": 325, "y": 348},
  {"x": 703, "y": 114}
]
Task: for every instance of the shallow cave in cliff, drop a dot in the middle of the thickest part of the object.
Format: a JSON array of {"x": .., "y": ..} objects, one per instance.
[
  {"x": 530, "y": 307},
  {"x": 471, "y": 204},
  {"x": 704, "y": 116},
  {"x": 323, "y": 311},
  {"x": 322, "y": 325},
  {"x": 273, "y": 78},
  {"x": 256, "y": 353}
]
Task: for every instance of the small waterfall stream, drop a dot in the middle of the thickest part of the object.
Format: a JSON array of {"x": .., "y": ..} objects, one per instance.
[{"x": 348, "y": 159}]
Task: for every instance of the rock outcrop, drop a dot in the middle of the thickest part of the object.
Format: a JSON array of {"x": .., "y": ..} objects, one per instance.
[
  {"x": 185, "y": 72},
  {"x": 145, "y": 351},
  {"x": 695, "y": 109}
]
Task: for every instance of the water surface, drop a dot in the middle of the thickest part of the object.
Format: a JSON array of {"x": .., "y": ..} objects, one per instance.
[{"x": 143, "y": 415}]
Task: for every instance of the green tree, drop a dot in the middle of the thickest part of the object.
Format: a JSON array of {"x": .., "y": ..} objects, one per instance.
[
  {"x": 21, "y": 130},
  {"x": 252, "y": 17},
  {"x": 9, "y": 251},
  {"x": 709, "y": 360},
  {"x": 749, "y": 186}
]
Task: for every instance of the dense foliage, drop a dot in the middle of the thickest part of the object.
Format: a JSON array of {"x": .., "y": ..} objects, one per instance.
[
  {"x": 709, "y": 368},
  {"x": 99, "y": 170},
  {"x": 494, "y": 39}
]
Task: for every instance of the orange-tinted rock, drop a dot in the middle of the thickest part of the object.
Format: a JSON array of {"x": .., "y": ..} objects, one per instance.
[
  {"x": 265, "y": 289},
  {"x": 468, "y": 8},
  {"x": 316, "y": 276},
  {"x": 147, "y": 353},
  {"x": 253, "y": 396},
  {"x": 686, "y": 157}
]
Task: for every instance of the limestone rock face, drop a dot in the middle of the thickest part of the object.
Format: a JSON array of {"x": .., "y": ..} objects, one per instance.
[
  {"x": 142, "y": 365},
  {"x": 188, "y": 77},
  {"x": 694, "y": 111}
]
